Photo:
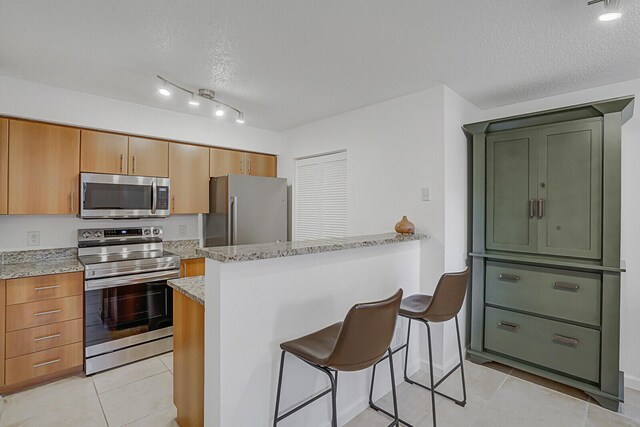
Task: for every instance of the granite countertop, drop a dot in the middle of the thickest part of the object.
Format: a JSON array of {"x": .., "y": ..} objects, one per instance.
[
  {"x": 287, "y": 249},
  {"x": 185, "y": 249},
  {"x": 192, "y": 287},
  {"x": 16, "y": 264}
]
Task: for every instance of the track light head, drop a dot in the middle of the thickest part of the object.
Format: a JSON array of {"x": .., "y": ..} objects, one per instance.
[
  {"x": 240, "y": 118},
  {"x": 219, "y": 111},
  {"x": 164, "y": 89},
  {"x": 194, "y": 101},
  {"x": 611, "y": 10}
]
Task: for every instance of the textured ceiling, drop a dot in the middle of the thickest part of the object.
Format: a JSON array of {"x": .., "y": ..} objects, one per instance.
[{"x": 288, "y": 62}]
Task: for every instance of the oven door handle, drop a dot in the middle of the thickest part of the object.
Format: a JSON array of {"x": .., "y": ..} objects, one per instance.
[{"x": 131, "y": 279}]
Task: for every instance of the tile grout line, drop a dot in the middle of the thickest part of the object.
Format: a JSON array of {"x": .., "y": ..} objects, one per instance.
[
  {"x": 104, "y": 415},
  {"x": 148, "y": 415}
]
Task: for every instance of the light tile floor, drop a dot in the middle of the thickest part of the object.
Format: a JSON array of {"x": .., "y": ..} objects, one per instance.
[{"x": 140, "y": 395}]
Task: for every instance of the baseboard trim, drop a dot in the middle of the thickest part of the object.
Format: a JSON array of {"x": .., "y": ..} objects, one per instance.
[{"x": 632, "y": 382}]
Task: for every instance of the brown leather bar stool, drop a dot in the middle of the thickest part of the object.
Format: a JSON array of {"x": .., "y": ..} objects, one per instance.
[
  {"x": 445, "y": 304},
  {"x": 353, "y": 345}
]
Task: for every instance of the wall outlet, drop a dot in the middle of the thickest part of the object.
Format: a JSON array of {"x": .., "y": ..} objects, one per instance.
[
  {"x": 426, "y": 194},
  {"x": 33, "y": 238},
  {"x": 182, "y": 231}
]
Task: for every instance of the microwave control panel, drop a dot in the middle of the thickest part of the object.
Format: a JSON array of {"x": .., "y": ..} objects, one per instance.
[{"x": 163, "y": 198}]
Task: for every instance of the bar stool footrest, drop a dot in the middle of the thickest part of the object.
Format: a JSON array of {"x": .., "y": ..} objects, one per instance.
[
  {"x": 389, "y": 414},
  {"x": 454, "y": 400}
]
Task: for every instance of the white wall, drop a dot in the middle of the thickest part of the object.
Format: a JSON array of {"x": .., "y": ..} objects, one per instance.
[
  {"x": 630, "y": 315},
  {"x": 21, "y": 98}
]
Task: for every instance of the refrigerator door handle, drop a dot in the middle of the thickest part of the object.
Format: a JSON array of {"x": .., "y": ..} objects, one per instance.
[{"x": 233, "y": 221}]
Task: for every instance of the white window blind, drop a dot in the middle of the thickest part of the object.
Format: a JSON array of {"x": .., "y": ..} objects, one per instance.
[{"x": 320, "y": 197}]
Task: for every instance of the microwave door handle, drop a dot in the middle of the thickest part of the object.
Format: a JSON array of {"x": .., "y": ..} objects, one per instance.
[{"x": 154, "y": 196}]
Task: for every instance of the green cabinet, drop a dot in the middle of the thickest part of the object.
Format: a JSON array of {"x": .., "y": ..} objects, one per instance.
[
  {"x": 545, "y": 283},
  {"x": 544, "y": 189}
]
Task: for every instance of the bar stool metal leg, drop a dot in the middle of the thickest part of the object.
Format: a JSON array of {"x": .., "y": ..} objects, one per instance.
[
  {"x": 275, "y": 416},
  {"x": 397, "y": 421},
  {"x": 433, "y": 394},
  {"x": 464, "y": 387}
]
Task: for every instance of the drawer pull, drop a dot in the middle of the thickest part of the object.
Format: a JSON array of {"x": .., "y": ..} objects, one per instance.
[
  {"x": 44, "y": 313},
  {"x": 571, "y": 342},
  {"x": 509, "y": 277},
  {"x": 508, "y": 326},
  {"x": 49, "y": 337},
  {"x": 45, "y": 288},
  {"x": 50, "y": 362},
  {"x": 564, "y": 286}
]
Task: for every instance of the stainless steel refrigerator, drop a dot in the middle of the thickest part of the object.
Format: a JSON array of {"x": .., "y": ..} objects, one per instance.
[{"x": 246, "y": 209}]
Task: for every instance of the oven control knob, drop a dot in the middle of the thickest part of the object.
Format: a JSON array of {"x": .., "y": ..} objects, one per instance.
[
  {"x": 156, "y": 231},
  {"x": 98, "y": 234},
  {"x": 86, "y": 234},
  {"x": 147, "y": 231}
]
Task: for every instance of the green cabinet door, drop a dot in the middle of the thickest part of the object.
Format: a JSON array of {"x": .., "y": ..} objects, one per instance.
[
  {"x": 511, "y": 185},
  {"x": 570, "y": 189}
]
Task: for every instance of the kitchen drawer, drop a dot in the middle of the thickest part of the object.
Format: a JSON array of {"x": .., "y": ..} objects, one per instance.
[
  {"x": 40, "y": 338},
  {"x": 29, "y": 315},
  {"x": 566, "y": 294},
  {"x": 40, "y": 288},
  {"x": 569, "y": 349},
  {"x": 45, "y": 362}
]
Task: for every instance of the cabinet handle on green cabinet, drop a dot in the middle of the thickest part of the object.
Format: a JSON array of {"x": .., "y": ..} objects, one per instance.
[
  {"x": 540, "y": 208},
  {"x": 532, "y": 208},
  {"x": 563, "y": 286},
  {"x": 571, "y": 342},
  {"x": 508, "y": 326},
  {"x": 509, "y": 277}
]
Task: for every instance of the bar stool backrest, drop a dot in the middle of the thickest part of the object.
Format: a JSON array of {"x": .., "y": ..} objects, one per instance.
[
  {"x": 365, "y": 335},
  {"x": 448, "y": 297}
]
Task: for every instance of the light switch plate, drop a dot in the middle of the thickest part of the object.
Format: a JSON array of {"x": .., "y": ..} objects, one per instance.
[
  {"x": 182, "y": 231},
  {"x": 33, "y": 238},
  {"x": 426, "y": 194}
]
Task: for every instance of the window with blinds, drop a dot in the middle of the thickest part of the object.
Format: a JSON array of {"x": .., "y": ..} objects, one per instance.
[{"x": 320, "y": 197}]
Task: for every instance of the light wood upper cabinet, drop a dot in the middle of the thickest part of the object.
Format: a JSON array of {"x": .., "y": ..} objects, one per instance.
[
  {"x": 148, "y": 157},
  {"x": 225, "y": 162},
  {"x": 4, "y": 164},
  {"x": 44, "y": 166},
  {"x": 261, "y": 165},
  {"x": 189, "y": 174},
  {"x": 102, "y": 152}
]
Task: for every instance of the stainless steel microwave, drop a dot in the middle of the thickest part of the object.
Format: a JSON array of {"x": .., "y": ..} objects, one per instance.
[{"x": 123, "y": 196}]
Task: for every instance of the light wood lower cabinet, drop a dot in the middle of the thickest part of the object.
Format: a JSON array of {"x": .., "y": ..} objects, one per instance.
[
  {"x": 2, "y": 329},
  {"x": 44, "y": 168},
  {"x": 4, "y": 165},
  {"x": 192, "y": 267},
  {"x": 148, "y": 157},
  {"x": 30, "y": 366},
  {"x": 189, "y": 174},
  {"x": 102, "y": 152},
  {"x": 29, "y": 315},
  {"x": 40, "y": 338},
  {"x": 188, "y": 360},
  {"x": 30, "y": 289}
]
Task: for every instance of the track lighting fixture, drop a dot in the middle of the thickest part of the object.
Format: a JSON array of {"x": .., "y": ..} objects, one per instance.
[
  {"x": 611, "y": 10},
  {"x": 195, "y": 96}
]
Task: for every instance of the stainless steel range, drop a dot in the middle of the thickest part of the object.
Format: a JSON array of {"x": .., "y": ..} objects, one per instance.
[{"x": 128, "y": 304}]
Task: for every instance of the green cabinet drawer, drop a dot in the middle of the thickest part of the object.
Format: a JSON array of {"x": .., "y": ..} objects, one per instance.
[
  {"x": 569, "y": 349},
  {"x": 565, "y": 294}
]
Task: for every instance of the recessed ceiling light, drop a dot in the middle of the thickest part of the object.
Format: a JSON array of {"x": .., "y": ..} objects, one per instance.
[
  {"x": 194, "y": 100},
  {"x": 164, "y": 90}
]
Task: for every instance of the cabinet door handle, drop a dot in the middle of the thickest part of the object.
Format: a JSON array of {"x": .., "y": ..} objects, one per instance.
[
  {"x": 249, "y": 170},
  {"x": 540, "y": 208},
  {"x": 173, "y": 202},
  {"x": 44, "y": 288},
  {"x": 44, "y": 313},
  {"x": 509, "y": 277},
  {"x": 121, "y": 162},
  {"x": 134, "y": 164},
  {"x": 71, "y": 197},
  {"x": 186, "y": 274},
  {"x": 508, "y": 326},
  {"x": 563, "y": 286},
  {"x": 50, "y": 362},
  {"x": 49, "y": 337},
  {"x": 571, "y": 342},
  {"x": 532, "y": 208},
  {"x": 242, "y": 166}
]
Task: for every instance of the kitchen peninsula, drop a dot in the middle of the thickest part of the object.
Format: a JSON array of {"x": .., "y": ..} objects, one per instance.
[{"x": 257, "y": 296}]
